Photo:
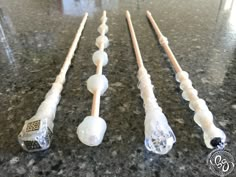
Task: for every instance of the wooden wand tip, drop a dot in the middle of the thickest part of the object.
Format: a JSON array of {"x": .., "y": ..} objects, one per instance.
[
  {"x": 127, "y": 14},
  {"x": 149, "y": 13}
]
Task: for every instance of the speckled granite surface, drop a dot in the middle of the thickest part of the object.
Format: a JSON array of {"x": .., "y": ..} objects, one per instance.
[{"x": 35, "y": 39}]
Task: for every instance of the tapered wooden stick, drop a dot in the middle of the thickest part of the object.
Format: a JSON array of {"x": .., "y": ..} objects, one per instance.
[
  {"x": 36, "y": 134},
  {"x": 213, "y": 136},
  {"x": 164, "y": 42}
]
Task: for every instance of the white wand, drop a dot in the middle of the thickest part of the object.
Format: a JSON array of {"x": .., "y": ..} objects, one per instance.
[
  {"x": 91, "y": 131},
  {"x": 159, "y": 137},
  {"x": 36, "y": 134},
  {"x": 213, "y": 136}
]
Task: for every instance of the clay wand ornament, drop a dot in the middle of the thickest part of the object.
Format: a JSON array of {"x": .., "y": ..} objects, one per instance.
[
  {"x": 91, "y": 131},
  {"x": 159, "y": 137},
  {"x": 213, "y": 136},
  {"x": 36, "y": 134}
]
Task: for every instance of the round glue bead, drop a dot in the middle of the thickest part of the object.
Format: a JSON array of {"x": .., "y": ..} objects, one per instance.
[
  {"x": 91, "y": 131},
  {"x": 203, "y": 118},
  {"x": 103, "y": 19},
  {"x": 185, "y": 84},
  {"x": 102, "y": 39},
  {"x": 97, "y": 82},
  {"x": 189, "y": 93},
  {"x": 163, "y": 40},
  {"x": 103, "y": 27},
  {"x": 100, "y": 56},
  {"x": 198, "y": 104},
  {"x": 182, "y": 75}
]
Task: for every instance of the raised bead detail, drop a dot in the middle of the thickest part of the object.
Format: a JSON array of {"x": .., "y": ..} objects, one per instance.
[
  {"x": 213, "y": 136},
  {"x": 198, "y": 104},
  {"x": 103, "y": 27},
  {"x": 91, "y": 131},
  {"x": 102, "y": 39},
  {"x": 203, "y": 118},
  {"x": 103, "y": 19},
  {"x": 186, "y": 84},
  {"x": 182, "y": 75},
  {"x": 100, "y": 56},
  {"x": 163, "y": 40},
  {"x": 189, "y": 93},
  {"x": 97, "y": 82}
]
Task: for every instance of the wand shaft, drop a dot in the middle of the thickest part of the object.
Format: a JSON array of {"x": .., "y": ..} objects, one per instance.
[
  {"x": 92, "y": 129},
  {"x": 134, "y": 39},
  {"x": 97, "y": 93},
  {"x": 165, "y": 45},
  {"x": 96, "y": 104},
  {"x": 73, "y": 47}
]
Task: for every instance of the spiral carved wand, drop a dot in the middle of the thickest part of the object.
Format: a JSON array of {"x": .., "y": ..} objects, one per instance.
[
  {"x": 91, "y": 131},
  {"x": 159, "y": 137},
  {"x": 213, "y": 136},
  {"x": 36, "y": 134}
]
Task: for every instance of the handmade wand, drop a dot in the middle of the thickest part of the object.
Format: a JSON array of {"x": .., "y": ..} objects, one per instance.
[
  {"x": 213, "y": 136},
  {"x": 93, "y": 128},
  {"x": 159, "y": 137},
  {"x": 36, "y": 134}
]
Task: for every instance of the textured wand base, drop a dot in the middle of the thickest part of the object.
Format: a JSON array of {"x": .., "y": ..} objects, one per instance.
[
  {"x": 35, "y": 135},
  {"x": 159, "y": 137}
]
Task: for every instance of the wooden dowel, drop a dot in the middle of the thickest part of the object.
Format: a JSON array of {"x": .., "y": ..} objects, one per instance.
[
  {"x": 135, "y": 43},
  {"x": 97, "y": 93},
  {"x": 166, "y": 47},
  {"x": 99, "y": 67},
  {"x": 73, "y": 47},
  {"x": 101, "y": 47},
  {"x": 96, "y": 104}
]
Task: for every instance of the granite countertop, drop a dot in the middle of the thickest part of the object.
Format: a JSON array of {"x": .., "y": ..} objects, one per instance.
[{"x": 35, "y": 37}]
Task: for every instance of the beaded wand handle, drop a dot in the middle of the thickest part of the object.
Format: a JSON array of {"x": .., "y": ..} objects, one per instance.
[
  {"x": 36, "y": 134},
  {"x": 213, "y": 136},
  {"x": 159, "y": 137},
  {"x": 91, "y": 131}
]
